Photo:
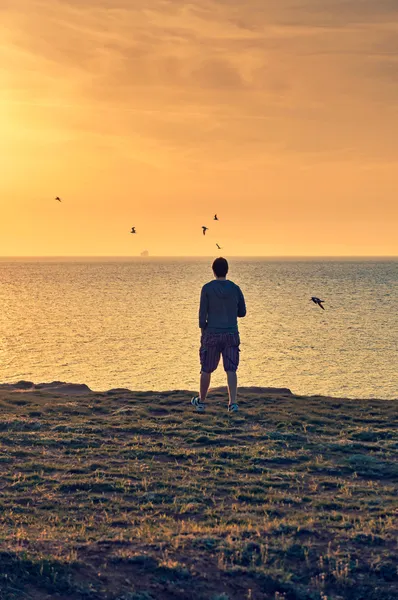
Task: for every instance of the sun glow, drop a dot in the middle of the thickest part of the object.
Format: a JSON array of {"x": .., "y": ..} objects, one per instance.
[{"x": 159, "y": 118}]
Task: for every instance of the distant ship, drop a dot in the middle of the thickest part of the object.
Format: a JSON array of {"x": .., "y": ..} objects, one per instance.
[{"x": 145, "y": 253}]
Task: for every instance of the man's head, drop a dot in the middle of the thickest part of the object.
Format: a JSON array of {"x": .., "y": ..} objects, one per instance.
[{"x": 220, "y": 267}]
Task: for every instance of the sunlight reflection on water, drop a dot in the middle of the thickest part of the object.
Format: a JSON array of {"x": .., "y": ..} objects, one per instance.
[{"x": 134, "y": 324}]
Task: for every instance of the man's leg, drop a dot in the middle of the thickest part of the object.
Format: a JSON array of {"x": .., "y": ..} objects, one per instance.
[
  {"x": 232, "y": 386},
  {"x": 205, "y": 379},
  {"x": 209, "y": 359},
  {"x": 231, "y": 364}
]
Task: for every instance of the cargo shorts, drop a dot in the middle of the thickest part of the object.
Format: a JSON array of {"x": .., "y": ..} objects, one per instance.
[{"x": 213, "y": 345}]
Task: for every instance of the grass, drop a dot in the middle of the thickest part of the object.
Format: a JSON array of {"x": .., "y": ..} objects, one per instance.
[{"x": 134, "y": 497}]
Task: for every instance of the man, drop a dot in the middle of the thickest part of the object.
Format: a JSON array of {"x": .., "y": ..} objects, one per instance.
[{"x": 221, "y": 302}]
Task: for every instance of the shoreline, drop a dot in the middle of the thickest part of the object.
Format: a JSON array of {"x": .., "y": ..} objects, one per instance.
[{"x": 81, "y": 389}]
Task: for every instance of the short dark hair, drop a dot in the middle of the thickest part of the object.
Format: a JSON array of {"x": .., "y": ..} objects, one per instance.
[{"x": 220, "y": 267}]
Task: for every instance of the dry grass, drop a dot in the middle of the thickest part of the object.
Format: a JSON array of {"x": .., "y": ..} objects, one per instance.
[{"x": 134, "y": 497}]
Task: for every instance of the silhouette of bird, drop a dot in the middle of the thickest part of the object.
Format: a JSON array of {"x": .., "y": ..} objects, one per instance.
[
  {"x": 219, "y": 247},
  {"x": 204, "y": 229},
  {"x": 133, "y": 230},
  {"x": 215, "y": 217},
  {"x": 318, "y": 302},
  {"x": 58, "y": 199}
]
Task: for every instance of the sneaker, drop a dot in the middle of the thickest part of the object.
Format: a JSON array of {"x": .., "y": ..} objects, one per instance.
[
  {"x": 233, "y": 408},
  {"x": 200, "y": 406}
]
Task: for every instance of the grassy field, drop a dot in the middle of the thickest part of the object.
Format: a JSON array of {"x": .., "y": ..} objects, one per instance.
[{"x": 132, "y": 496}]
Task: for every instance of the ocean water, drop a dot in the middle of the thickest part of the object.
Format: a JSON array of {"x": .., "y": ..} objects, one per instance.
[{"x": 133, "y": 323}]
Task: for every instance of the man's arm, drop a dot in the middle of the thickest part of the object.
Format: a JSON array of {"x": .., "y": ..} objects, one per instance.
[
  {"x": 203, "y": 309},
  {"x": 241, "y": 304}
]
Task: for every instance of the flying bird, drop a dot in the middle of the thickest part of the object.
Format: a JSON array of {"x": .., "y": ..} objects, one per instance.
[
  {"x": 317, "y": 301},
  {"x": 58, "y": 199},
  {"x": 204, "y": 229},
  {"x": 215, "y": 217},
  {"x": 133, "y": 230},
  {"x": 219, "y": 247}
]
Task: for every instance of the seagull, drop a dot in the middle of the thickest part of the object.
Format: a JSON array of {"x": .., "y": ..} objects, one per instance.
[
  {"x": 204, "y": 229},
  {"x": 219, "y": 247},
  {"x": 133, "y": 230},
  {"x": 58, "y": 199},
  {"x": 215, "y": 217},
  {"x": 317, "y": 301}
]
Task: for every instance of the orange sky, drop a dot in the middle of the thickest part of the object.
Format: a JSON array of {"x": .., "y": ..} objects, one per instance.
[{"x": 282, "y": 117}]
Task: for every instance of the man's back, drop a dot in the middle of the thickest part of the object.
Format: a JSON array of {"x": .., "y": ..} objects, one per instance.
[{"x": 221, "y": 303}]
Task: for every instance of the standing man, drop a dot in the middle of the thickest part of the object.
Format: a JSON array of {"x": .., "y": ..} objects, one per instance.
[{"x": 221, "y": 303}]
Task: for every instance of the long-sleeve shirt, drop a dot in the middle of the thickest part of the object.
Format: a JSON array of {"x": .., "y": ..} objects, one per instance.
[{"x": 221, "y": 303}]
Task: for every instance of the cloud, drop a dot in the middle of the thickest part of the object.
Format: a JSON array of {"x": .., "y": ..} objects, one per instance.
[
  {"x": 334, "y": 13},
  {"x": 213, "y": 77}
]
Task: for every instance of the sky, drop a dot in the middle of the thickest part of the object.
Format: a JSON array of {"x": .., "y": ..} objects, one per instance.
[{"x": 281, "y": 117}]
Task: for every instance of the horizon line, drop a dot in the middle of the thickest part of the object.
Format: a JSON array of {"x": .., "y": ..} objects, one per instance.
[{"x": 269, "y": 256}]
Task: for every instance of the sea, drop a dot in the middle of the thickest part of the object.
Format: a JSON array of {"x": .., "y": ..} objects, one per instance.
[{"x": 133, "y": 323}]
